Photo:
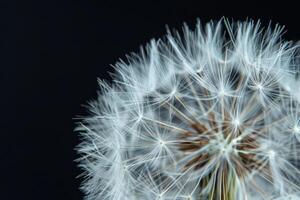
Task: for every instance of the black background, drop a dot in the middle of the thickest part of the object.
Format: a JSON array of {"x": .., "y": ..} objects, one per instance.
[{"x": 51, "y": 55}]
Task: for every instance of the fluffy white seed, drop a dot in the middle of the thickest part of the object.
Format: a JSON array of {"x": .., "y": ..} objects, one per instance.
[{"x": 212, "y": 114}]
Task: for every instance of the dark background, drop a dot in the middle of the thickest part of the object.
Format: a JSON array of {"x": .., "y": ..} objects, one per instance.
[{"x": 51, "y": 55}]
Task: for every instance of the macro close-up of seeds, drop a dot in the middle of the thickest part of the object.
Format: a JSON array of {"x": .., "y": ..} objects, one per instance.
[{"x": 210, "y": 113}]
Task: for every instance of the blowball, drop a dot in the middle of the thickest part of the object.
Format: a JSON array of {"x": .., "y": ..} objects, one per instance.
[{"x": 213, "y": 114}]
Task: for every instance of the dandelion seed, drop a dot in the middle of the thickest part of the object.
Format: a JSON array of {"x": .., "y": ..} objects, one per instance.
[
  {"x": 296, "y": 129},
  {"x": 198, "y": 117}
]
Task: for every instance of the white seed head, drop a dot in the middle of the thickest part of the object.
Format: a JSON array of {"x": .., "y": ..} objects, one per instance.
[{"x": 209, "y": 115}]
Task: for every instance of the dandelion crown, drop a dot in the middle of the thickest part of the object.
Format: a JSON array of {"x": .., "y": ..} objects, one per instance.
[{"x": 213, "y": 114}]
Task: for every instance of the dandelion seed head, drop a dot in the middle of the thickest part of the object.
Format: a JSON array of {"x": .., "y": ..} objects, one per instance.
[{"x": 205, "y": 115}]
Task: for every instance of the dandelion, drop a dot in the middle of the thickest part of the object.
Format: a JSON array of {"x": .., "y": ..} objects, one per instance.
[{"x": 207, "y": 115}]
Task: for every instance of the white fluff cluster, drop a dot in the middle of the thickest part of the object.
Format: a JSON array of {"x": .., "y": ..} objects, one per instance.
[{"x": 211, "y": 114}]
